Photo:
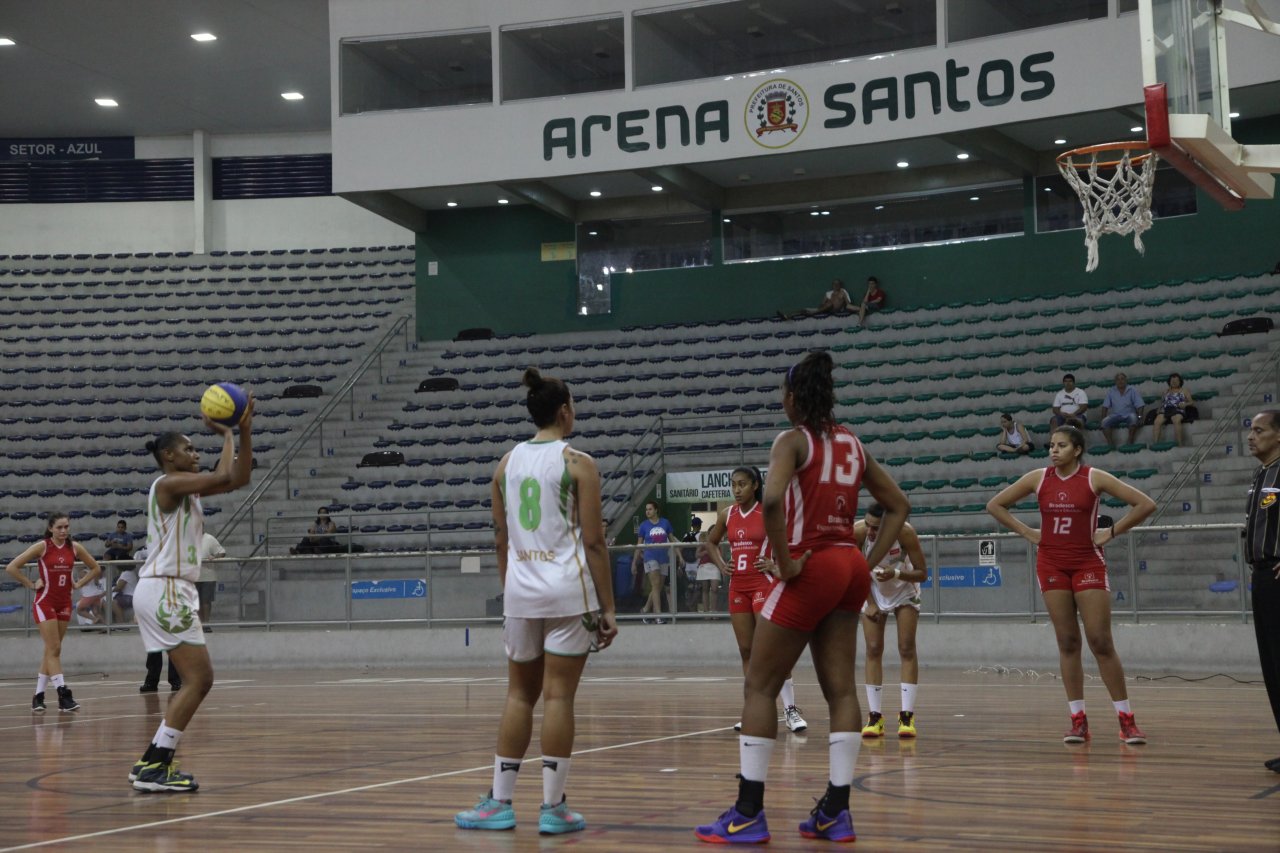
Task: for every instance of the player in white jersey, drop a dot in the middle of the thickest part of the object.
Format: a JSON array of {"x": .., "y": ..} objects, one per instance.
[
  {"x": 557, "y": 602},
  {"x": 896, "y": 590},
  {"x": 165, "y": 602}
]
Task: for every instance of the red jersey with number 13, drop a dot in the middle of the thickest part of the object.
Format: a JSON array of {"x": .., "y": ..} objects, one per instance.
[
  {"x": 1068, "y": 519},
  {"x": 822, "y": 497}
]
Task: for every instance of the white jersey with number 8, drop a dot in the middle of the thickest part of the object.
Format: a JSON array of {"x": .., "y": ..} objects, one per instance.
[
  {"x": 547, "y": 573},
  {"x": 173, "y": 539}
]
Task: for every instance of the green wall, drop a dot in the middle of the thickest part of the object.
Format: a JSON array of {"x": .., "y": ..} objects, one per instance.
[{"x": 491, "y": 275}]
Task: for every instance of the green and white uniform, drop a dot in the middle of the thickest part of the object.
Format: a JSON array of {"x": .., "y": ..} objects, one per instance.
[{"x": 165, "y": 602}]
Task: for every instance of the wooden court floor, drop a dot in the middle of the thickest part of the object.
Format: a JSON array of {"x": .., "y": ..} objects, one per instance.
[{"x": 380, "y": 760}]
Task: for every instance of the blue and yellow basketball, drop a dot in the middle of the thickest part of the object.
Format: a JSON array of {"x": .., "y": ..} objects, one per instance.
[{"x": 224, "y": 403}]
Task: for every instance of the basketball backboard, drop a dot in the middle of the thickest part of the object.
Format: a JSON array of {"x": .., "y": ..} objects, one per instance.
[{"x": 1187, "y": 96}]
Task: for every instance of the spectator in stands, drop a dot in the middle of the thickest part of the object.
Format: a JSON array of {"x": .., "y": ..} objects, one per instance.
[
  {"x": 708, "y": 576},
  {"x": 1070, "y": 405},
  {"x": 91, "y": 609},
  {"x": 1176, "y": 407},
  {"x": 1015, "y": 438},
  {"x": 319, "y": 538},
  {"x": 207, "y": 586},
  {"x": 872, "y": 300},
  {"x": 119, "y": 543},
  {"x": 122, "y": 593},
  {"x": 689, "y": 580},
  {"x": 1122, "y": 407},
  {"x": 837, "y": 301}
]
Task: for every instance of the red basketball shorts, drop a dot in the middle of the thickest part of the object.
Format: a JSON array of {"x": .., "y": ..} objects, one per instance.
[
  {"x": 748, "y": 591},
  {"x": 43, "y": 611},
  {"x": 832, "y": 579},
  {"x": 1091, "y": 575}
]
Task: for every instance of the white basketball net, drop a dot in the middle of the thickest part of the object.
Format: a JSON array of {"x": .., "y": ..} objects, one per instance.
[{"x": 1116, "y": 195}]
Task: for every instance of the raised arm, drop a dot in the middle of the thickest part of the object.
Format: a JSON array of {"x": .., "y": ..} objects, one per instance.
[
  {"x": 34, "y": 552},
  {"x": 999, "y": 505},
  {"x": 1141, "y": 505},
  {"x": 85, "y": 557}
]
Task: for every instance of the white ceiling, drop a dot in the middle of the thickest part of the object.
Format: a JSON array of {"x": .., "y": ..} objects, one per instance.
[{"x": 140, "y": 53}]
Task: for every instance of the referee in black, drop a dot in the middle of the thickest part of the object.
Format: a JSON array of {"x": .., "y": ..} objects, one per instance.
[{"x": 1262, "y": 550}]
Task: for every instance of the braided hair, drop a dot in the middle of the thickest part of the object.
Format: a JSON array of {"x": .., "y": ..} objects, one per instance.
[{"x": 815, "y": 397}]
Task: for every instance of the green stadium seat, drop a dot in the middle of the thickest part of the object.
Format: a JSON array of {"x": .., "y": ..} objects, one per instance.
[
  {"x": 990, "y": 432},
  {"x": 927, "y": 459},
  {"x": 934, "y": 485},
  {"x": 965, "y": 375},
  {"x": 1162, "y": 446},
  {"x": 939, "y": 434},
  {"x": 842, "y": 347},
  {"x": 898, "y": 399},
  {"x": 983, "y": 456},
  {"x": 890, "y": 436},
  {"x": 1103, "y": 450},
  {"x": 964, "y": 483},
  {"x": 1201, "y": 335},
  {"x": 1113, "y": 503},
  {"x": 954, "y": 458},
  {"x": 915, "y": 436},
  {"x": 1027, "y": 506},
  {"x": 897, "y": 461},
  {"x": 966, "y": 432},
  {"x": 1143, "y": 473},
  {"x": 991, "y": 482},
  {"x": 1132, "y": 448},
  {"x": 1223, "y": 373},
  {"x": 909, "y": 485},
  {"x": 972, "y": 508}
]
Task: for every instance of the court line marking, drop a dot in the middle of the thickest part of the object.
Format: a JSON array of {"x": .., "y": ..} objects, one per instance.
[{"x": 321, "y": 795}]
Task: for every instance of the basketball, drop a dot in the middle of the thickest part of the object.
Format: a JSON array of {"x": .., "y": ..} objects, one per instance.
[{"x": 224, "y": 403}]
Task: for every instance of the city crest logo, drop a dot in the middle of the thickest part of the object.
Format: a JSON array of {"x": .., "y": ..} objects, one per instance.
[{"x": 776, "y": 113}]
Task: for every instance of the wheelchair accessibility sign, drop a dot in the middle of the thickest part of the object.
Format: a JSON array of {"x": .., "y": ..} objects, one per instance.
[
  {"x": 964, "y": 576},
  {"x": 410, "y": 588}
]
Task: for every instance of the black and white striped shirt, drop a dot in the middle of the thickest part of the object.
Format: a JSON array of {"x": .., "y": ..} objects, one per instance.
[{"x": 1262, "y": 520}]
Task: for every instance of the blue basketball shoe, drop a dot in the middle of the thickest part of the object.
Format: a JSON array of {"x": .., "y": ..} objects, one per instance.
[
  {"x": 557, "y": 820},
  {"x": 838, "y": 828},
  {"x": 488, "y": 814},
  {"x": 733, "y": 827}
]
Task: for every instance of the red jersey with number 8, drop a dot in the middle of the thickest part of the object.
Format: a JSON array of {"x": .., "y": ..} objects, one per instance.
[
  {"x": 1068, "y": 520},
  {"x": 822, "y": 497}
]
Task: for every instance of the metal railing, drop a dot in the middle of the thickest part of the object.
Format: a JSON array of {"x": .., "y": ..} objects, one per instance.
[{"x": 1156, "y": 572}]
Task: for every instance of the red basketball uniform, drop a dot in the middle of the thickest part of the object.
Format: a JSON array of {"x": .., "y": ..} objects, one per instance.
[
  {"x": 53, "y": 600},
  {"x": 1067, "y": 559},
  {"x": 748, "y": 586},
  {"x": 821, "y": 506}
]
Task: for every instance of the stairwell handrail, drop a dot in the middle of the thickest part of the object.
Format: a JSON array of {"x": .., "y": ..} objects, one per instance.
[
  {"x": 1235, "y": 408},
  {"x": 317, "y": 420}
]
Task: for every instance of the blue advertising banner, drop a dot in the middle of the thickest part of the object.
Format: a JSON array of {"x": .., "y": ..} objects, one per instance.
[
  {"x": 969, "y": 576},
  {"x": 410, "y": 588},
  {"x": 68, "y": 148}
]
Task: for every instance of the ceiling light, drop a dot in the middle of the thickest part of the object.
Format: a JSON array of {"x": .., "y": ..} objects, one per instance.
[
  {"x": 1048, "y": 189},
  {"x": 592, "y": 233},
  {"x": 1136, "y": 129},
  {"x": 204, "y": 37},
  {"x": 814, "y": 213},
  {"x": 628, "y": 269},
  {"x": 504, "y": 201},
  {"x": 727, "y": 219},
  {"x": 973, "y": 198},
  {"x": 4, "y": 42},
  {"x": 450, "y": 204},
  {"x": 1059, "y": 141},
  {"x": 291, "y": 96},
  {"x": 656, "y": 188},
  {"x": 106, "y": 102},
  {"x": 1229, "y": 115},
  {"x": 826, "y": 213},
  {"x": 599, "y": 285},
  {"x": 879, "y": 207},
  {"x": 902, "y": 164},
  {"x": 962, "y": 156},
  {"x": 595, "y": 193}
]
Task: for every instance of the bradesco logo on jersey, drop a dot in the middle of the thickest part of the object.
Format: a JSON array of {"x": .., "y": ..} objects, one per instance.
[{"x": 777, "y": 111}]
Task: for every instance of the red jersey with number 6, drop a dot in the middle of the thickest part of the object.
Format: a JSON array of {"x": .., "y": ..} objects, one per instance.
[
  {"x": 822, "y": 497},
  {"x": 747, "y": 539},
  {"x": 1068, "y": 520}
]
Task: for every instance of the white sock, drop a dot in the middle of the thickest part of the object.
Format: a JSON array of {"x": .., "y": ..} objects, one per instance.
[
  {"x": 788, "y": 694},
  {"x": 166, "y": 738},
  {"x": 555, "y": 772},
  {"x": 753, "y": 756},
  {"x": 56, "y": 681},
  {"x": 42, "y": 681},
  {"x": 873, "y": 697},
  {"x": 504, "y": 776},
  {"x": 1122, "y": 707},
  {"x": 842, "y": 748},
  {"x": 909, "y": 697},
  {"x": 1076, "y": 706}
]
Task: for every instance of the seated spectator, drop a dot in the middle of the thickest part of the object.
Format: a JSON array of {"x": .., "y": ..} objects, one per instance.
[
  {"x": 1122, "y": 407},
  {"x": 1176, "y": 407},
  {"x": 91, "y": 607},
  {"x": 836, "y": 301},
  {"x": 1070, "y": 405},
  {"x": 207, "y": 585},
  {"x": 122, "y": 594},
  {"x": 708, "y": 575},
  {"x": 320, "y": 536},
  {"x": 872, "y": 300},
  {"x": 119, "y": 543},
  {"x": 1015, "y": 438}
]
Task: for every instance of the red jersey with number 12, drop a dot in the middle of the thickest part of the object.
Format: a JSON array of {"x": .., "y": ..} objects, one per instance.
[
  {"x": 822, "y": 497},
  {"x": 1068, "y": 519}
]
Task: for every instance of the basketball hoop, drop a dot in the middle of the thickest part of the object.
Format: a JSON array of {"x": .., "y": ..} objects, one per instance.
[{"x": 1115, "y": 193}]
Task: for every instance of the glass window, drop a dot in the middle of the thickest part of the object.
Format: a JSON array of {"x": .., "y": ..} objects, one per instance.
[
  {"x": 414, "y": 72},
  {"x": 1058, "y": 207},
  {"x": 991, "y": 211},
  {"x": 547, "y": 60},
  {"x": 1126, "y": 6},
  {"x": 631, "y": 245},
  {"x": 971, "y": 19},
  {"x": 710, "y": 39}
]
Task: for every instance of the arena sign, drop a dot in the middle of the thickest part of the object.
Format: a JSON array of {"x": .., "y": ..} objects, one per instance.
[
  {"x": 693, "y": 487},
  {"x": 776, "y": 113},
  {"x": 68, "y": 148}
]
